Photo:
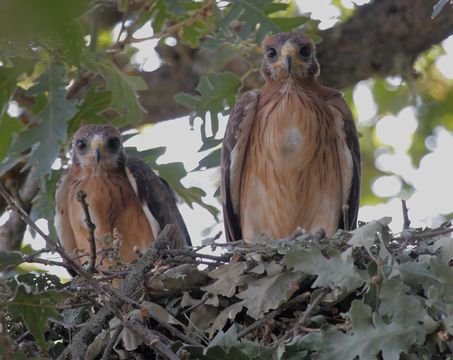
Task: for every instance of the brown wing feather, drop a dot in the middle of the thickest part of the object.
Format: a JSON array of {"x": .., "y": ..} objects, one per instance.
[
  {"x": 232, "y": 160},
  {"x": 158, "y": 197},
  {"x": 352, "y": 139}
]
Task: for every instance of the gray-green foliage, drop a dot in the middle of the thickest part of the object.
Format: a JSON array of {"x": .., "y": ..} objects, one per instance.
[{"x": 394, "y": 303}]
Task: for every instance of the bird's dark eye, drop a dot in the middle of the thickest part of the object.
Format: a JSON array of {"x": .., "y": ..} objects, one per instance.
[
  {"x": 271, "y": 52},
  {"x": 305, "y": 51},
  {"x": 81, "y": 145},
  {"x": 113, "y": 144}
]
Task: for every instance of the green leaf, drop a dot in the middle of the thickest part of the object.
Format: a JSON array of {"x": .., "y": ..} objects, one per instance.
[
  {"x": 7, "y": 85},
  {"x": 10, "y": 259},
  {"x": 444, "y": 274},
  {"x": 370, "y": 335},
  {"x": 122, "y": 86},
  {"x": 149, "y": 156},
  {"x": 274, "y": 7},
  {"x": 251, "y": 12},
  {"x": 56, "y": 24},
  {"x": 44, "y": 201},
  {"x": 398, "y": 305},
  {"x": 445, "y": 244},
  {"x": 173, "y": 173},
  {"x": 366, "y": 235},
  {"x": 337, "y": 272},
  {"x": 417, "y": 275},
  {"x": 192, "y": 34},
  {"x": 227, "y": 314},
  {"x": 46, "y": 138},
  {"x": 35, "y": 309},
  {"x": 299, "y": 347},
  {"x": 8, "y": 128},
  {"x": 215, "y": 92},
  {"x": 228, "y": 278},
  {"x": 94, "y": 102},
  {"x": 288, "y": 24},
  {"x": 209, "y": 161},
  {"x": 267, "y": 293}
]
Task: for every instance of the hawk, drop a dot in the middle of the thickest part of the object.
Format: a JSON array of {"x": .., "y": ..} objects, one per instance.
[
  {"x": 123, "y": 193},
  {"x": 290, "y": 155}
]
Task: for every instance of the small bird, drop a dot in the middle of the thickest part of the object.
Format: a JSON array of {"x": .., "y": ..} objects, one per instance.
[
  {"x": 123, "y": 193},
  {"x": 290, "y": 155}
]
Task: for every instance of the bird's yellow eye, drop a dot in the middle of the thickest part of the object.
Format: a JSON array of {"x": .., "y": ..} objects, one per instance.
[
  {"x": 271, "y": 52},
  {"x": 81, "y": 145},
  {"x": 305, "y": 51}
]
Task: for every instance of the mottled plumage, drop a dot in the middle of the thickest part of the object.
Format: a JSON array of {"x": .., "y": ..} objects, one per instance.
[
  {"x": 122, "y": 193},
  {"x": 290, "y": 155}
]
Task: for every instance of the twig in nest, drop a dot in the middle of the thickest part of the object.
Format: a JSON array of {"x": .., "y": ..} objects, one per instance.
[
  {"x": 301, "y": 322},
  {"x": 111, "y": 343},
  {"x": 37, "y": 260},
  {"x": 78, "y": 347},
  {"x": 65, "y": 324},
  {"x": 426, "y": 235},
  {"x": 150, "y": 338},
  {"x": 271, "y": 315},
  {"x": 406, "y": 219},
  {"x": 79, "y": 344},
  {"x": 25, "y": 218},
  {"x": 172, "y": 329},
  {"x": 81, "y": 197}
]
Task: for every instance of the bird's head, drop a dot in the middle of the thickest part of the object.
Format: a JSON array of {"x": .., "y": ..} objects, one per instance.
[
  {"x": 97, "y": 146},
  {"x": 289, "y": 55}
]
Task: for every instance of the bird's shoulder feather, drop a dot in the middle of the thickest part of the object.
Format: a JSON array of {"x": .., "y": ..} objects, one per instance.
[
  {"x": 154, "y": 193},
  {"x": 232, "y": 160}
]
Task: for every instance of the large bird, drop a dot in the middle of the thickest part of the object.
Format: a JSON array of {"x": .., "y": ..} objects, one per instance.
[
  {"x": 123, "y": 193},
  {"x": 290, "y": 155}
]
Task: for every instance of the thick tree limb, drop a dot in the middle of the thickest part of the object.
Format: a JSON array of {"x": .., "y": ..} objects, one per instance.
[
  {"x": 381, "y": 38},
  {"x": 12, "y": 232}
]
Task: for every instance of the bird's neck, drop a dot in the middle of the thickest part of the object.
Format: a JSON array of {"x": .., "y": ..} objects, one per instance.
[
  {"x": 274, "y": 87},
  {"x": 93, "y": 170}
]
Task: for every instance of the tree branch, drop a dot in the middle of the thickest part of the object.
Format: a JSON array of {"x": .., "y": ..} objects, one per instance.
[
  {"x": 81, "y": 197},
  {"x": 349, "y": 52}
]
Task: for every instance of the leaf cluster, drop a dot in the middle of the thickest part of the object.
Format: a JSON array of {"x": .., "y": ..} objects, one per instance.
[{"x": 361, "y": 295}]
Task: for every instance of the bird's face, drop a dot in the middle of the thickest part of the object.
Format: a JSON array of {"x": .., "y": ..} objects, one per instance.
[
  {"x": 289, "y": 56},
  {"x": 97, "y": 146}
]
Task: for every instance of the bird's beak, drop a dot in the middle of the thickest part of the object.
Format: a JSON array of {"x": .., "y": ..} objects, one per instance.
[
  {"x": 97, "y": 155},
  {"x": 97, "y": 146},
  {"x": 289, "y": 56},
  {"x": 287, "y": 62}
]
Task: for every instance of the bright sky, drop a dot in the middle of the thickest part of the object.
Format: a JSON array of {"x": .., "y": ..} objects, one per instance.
[{"x": 433, "y": 184}]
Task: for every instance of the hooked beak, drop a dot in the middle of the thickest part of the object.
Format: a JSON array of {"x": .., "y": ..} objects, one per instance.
[
  {"x": 287, "y": 62},
  {"x": 289, "y": 57},
  {"x": 97, "y": 155},
  {"x": 97, "y": 146}
]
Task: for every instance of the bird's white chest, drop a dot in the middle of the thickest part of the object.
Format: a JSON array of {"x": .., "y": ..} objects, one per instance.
[{"x": 291, "y": 141}]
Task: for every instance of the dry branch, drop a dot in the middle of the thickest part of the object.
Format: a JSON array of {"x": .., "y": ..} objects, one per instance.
[{"x": 81, "y": 197}]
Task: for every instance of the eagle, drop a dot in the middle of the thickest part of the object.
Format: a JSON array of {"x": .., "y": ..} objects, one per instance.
[
  {"x": 123, "y": 195},
  {"x": 290, "y": 156}
]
